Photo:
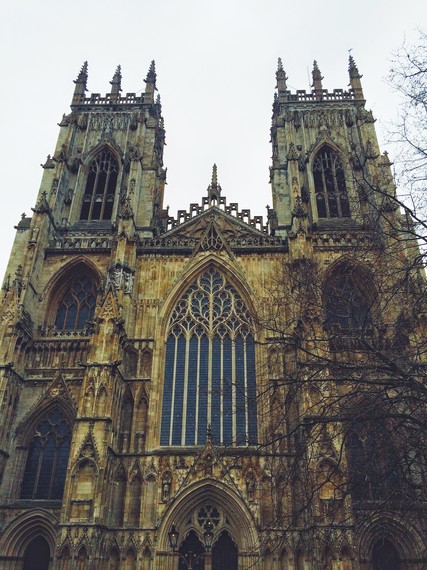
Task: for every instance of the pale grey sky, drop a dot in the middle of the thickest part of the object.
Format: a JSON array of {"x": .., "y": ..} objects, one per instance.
[{"x": 216, "y": 63}]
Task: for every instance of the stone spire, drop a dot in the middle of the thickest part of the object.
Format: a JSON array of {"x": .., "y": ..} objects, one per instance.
[
  {"x": 116, "y": 82},
  {"x": 214, "y": 189},
  {"x": 317, "y": 81},
  {"x": 355, "y": 78},
  {"x": 150, "y": 82},
  {"x": 281, "y": 77},
  {"x": 81, "y": 84}
]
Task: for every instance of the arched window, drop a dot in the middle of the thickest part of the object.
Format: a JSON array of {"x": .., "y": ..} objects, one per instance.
[
  {"x": 329, "y": 185},
  {"x": 347, "y": 301},
  {"x": 98, "y": 198},
  {"x": 210, "y": 367},
  {"x": 77, "y": 305},
  {"x": 45, "y": 471}
]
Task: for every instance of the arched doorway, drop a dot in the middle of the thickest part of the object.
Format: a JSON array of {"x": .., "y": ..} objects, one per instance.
[
  {"x": 37, "y": 555},
  {"x": 385, "y": 556},
  {"x": 224, "y": 553},
  {"x": 192, "y": 551}
]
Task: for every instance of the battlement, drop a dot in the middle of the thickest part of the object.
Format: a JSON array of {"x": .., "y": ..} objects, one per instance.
[
  {"x": 302, "y": 95},
  {"x": 109, "y": 99},
  {"x": 232, "y": 209}
]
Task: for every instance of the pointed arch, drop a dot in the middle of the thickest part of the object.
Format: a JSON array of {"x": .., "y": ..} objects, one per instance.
[
  {"x": 209, "y": 365},
  {"x": 113, "y": 559},
  {"x": 118, "y": 497},
  {"x": 141, "y": 414},
  {"x": 72, "y": 296},
  {"x": 329, "y": 183},
  {"x": 37, "y": 554},
  {"x": 27, "y": 526},
  {"x": 82, "y": 558},
  {"x": 83, "y": 489},
  {"x": 126, "y": 422},
  {"x": 49, "y": 443},
  {"x": 65, "y": 557},
  {"x": 406, "y": 542},
  {"x": 150, "y": 501},
  {"x": 236, "y": 518},
  {"x": 101, "y": 401},
  {"x": 88, "y": 401},
  {"x": 135, "y": 499},
  {"x": 130, "y": 559}
]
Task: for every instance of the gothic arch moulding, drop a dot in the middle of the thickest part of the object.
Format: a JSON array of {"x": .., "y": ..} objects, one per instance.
[
  {"x": 230, "y": 271},
  {"x": 80, "y": 268},
  {"x": 25, "y": 528},
  {"x": 240, "y": 523},
  {"x": 402, "y": 535}
]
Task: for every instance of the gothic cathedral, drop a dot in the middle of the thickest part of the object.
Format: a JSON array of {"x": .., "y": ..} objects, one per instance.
[{"x": 202, "y": 392}]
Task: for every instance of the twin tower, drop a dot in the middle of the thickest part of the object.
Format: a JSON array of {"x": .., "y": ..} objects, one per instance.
[{"x": 158, "y": 374}]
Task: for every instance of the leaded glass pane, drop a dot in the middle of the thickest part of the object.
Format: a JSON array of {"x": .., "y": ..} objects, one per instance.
[
  {"x": 45, "y": 471},
  {"x": 78, "y": 305},
  {"x": 209, "y": 367}
]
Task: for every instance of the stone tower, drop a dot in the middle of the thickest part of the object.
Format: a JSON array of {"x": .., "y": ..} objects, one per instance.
[{"x": 202, "y": 391}]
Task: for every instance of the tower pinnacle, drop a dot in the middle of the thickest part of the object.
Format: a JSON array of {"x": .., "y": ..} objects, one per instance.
[
  {"x": 81, "y": 84},
  {"x": 281, "y": 76},
  {"x": 116, "y": 82},
  {"x": 150, "y": 82},
  {"x": 355, "y": 78},
  {"x": 317, "y": 81},
  {"x": 214, "y": 189}
]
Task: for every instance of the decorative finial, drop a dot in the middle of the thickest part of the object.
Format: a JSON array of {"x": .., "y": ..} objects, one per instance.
[
  {"x": 214, "y": 189},
  {"x": 116, "y": 82},
  {"x": 355, "y": 77},
  {"x": 317, "y": 80},
  {"x": 81, "y": 85},
  {"x": 352, "y": 67},
  {"x": 214, "y": 180},
  {"x": 159, "y": 104},
  {"x": 209, "y": 434},
  {"x": 281, "y": 76},
  {"x": 151, "y": 75},
  {"x": 82, "y": 76}
]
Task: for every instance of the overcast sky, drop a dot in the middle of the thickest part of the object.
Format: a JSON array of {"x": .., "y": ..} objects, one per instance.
[{"x": 216, "y": 64}]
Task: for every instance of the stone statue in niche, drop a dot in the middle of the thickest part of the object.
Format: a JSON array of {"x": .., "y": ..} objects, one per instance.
[
  {"x": 250, "y": 487},
  {"x": 166, "y": 486}
]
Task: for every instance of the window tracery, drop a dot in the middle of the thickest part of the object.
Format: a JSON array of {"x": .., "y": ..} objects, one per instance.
[
  {"x": 329, "y": 184},
  {"x": 98, "y": 198},
  {"x": 77, "y": 306},
  {"x": 210, "y": 367},
  {"x": 46, "y": 467}
]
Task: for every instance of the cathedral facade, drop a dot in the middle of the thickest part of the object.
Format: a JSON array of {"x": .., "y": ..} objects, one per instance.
[{"x": 209, "y": 391}]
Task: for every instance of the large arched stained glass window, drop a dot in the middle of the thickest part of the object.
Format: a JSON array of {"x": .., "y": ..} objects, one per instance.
[
  {"x": 77, "y": 306},
  {"x": 210, "y": 367},
  {"x": 47, "y": 459}
]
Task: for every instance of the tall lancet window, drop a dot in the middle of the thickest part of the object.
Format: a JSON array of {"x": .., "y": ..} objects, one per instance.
[
  {"x": 101, "y": 182},
  {"x": 210, "y": 367},
  {"x": 329, "y": 185}
]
